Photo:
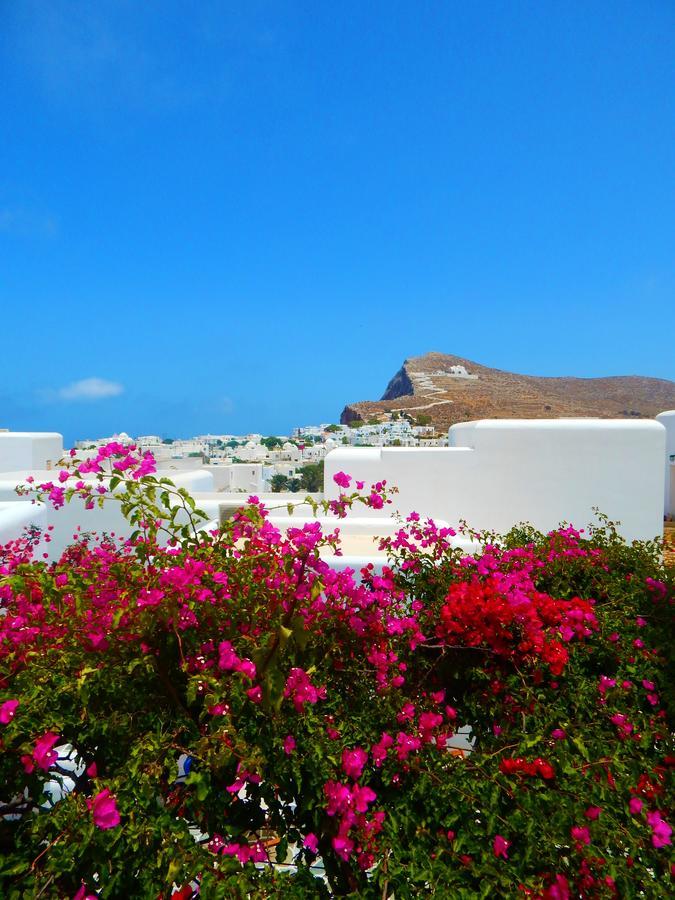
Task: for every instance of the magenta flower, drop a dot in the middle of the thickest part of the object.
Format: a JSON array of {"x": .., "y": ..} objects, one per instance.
[
  {"x": 311, "y": 843},
  {"x": 7, "y": 711},
  {"x": 362, "y": 797},
  {"x": 581, "y": 834},
  {"x": 635, "y": 805},
  {"x": 227, "y": 658},
  {"x": 605, "y": 684},
  {"x": 379, "y": 750},
  {"x": 559, "y": 890},
  {"x": 343, "y": 846},
  {"x": 289, "y": 744},
  {"x": 406, "y": 745},
  {"x": 255, "y": 694},
  {"x": 104, "y": 810},
  {"x": 661, "y": 830},
  {"x": 375, "y": 501},
  {"x": 247, "y": 668},
  {"x": 353, "y": 762},
  {"x": 342, "y": 480},
  {"x": 593, "y": 812},
  {"x": 43, "y": 754},
  {"x": 558, "y": 734},
  {"x": 501, "y": 846},
  {"x": 301, "y": 690},
  {"x": 83, "y": 894}
]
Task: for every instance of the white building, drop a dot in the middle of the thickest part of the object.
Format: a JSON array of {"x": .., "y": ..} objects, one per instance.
[
  {"x": 25, "y": 450},
  {"x": 498, "y": 473},
  {"x": 667, "y": 419}
]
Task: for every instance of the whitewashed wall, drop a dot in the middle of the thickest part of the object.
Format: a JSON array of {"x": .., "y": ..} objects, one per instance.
[
  {"x": 29, "y": 450},
  {"x": 667, "y": 419},
  {"x": 17, "y": 515},
  {"x": 497, "y": 473},
  {"x": 108, "y": 518}
]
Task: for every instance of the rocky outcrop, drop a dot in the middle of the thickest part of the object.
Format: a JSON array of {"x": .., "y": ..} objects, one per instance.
[
  {"x": 350, "y": 414},
  {"x": 448, "y": 389},
  {"x": 400, "y": 385}
]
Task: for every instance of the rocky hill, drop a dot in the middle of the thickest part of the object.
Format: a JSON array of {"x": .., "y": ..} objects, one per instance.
[{"x": 449, "y": 389}]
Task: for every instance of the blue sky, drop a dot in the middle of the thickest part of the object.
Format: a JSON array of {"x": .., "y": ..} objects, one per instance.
[{"x": 240, "y": 216}]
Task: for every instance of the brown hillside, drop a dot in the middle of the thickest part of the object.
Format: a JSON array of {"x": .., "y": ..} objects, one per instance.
[{"x": 425, "y": 386}]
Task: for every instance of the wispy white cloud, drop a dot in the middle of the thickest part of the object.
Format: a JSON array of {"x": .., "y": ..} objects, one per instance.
[
  {"x": 124, "y": 55},
  {"x": 90, "y": 389},
  {"x": 16, "y": 220}
]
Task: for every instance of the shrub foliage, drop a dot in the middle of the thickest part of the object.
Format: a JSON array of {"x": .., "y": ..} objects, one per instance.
[{"x": 222, "y": 713}]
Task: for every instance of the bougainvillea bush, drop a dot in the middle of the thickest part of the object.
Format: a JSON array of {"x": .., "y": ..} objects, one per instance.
[{"x": 225, "y": 715}]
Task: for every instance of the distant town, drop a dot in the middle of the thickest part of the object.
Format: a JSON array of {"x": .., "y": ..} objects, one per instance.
[{"x": 277, "y": 463}]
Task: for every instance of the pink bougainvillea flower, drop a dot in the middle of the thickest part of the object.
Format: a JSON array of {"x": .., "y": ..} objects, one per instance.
[
  {"x": 375, "y": 501},
  {"x": 104, "y": 810},
  {"x": 379, "y": 750},
  {"x": 606, "y": 683},
  {"x": 311, "y": 843},
  {"x": 7, "y": 711},
  {"x": 97, "y": 640},
  {"x": 559, "y": 889},
  {"x": 661, "y": 830},
  {"x": 301, "y": 690},
  {"x": 289, "y": 744},
  {"x": 61, "y": 579},
  {"x": 247, "y": 668},
  {"x": 83, "y": 894},
  {"x": 581, "y": 834},
  {"x": 241, "y": 851},
  {"x": 92, "y": 770},
  {"x": 635, "y": 805},
  {"x": 362, "y": 797},
  {"x": 500, "y": 846},
  {"x": 254, "y": 694},
  {"x": 342, "y": 480},
  {"x": 353, "y": 762},
  {"x": 558, "y": 734},
  {"x": 593, "y": 812},
  {"x": 43, "y": 754},
  {"x": 227, "y": 658},
  {"x": 343, "y": 846}
]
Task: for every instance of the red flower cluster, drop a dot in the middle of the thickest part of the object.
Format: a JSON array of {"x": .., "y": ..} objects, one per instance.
[{"x": 519, "y": 766}]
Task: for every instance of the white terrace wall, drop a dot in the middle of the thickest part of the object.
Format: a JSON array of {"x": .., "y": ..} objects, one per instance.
[
  {"x": 667, "y": 419},
  {"x": 108, "y": 518},
  {"x": 497, "y": 473},
  {"x": 17, "y": 515},
  {"x": 29, "y": 450}
]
